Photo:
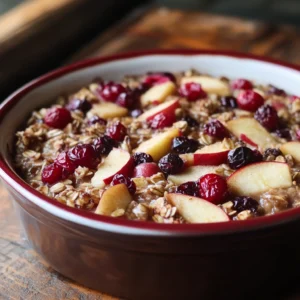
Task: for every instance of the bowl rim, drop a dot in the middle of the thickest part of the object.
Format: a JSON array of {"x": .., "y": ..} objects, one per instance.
[{"x": 138, "y": 227}]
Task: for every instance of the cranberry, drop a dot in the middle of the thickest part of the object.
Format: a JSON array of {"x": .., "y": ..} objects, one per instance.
[
  {"x": 58, "y": 117},
  {"x": 192, "y": 91},
  {"x": 188, "y": 188},
  {"x": 298, "y": 134},
  {"x": 111, "y": 91},
  {"x": 84, "y": 155},
  {"x": 276, "y": 91},
  {"x": 96, "y": 120},
  {"x": 249, "y": 100},
  {"x": 119, "y": 178},
  {"x": 183, "y": 144},
  {"x": 229, "y": 102},
  {"x": 241, "y": 157},
  {"x": 141, "y": 157},
  {"x": 162, "y": 120},
  {"x": 171, "y": 163},
  {"x": 284, "y": 133},
  {"x": 244, "y": 203},
  {"x": 104, "y": 144},
  {"x": 65, "y": 162},
  {"x": 213, "y": 188},
  {"x": 158, "y": 78},
  {"x": 257, "y": 156},
  {"x": 136, "y": 113},
  {"x": 241, "y": 84},
  {"x": 267, "y": 116},
  {"x": 215, "y": 129},
  {"x": 79, "y": 104},
  {"x": 190, "y": 121},
  {"x": 116, "y": 131},
  {"x": 52, "y": 174},
  {"x": 272, "y": 151},
  {"x": 126, "y": 99}
]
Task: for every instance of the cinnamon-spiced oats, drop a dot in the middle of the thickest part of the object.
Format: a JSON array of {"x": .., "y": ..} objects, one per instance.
[{"x": 167, "y": 148}]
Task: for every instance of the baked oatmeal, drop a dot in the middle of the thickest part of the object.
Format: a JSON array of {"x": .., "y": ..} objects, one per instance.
[{"x": 169, "y": 148}]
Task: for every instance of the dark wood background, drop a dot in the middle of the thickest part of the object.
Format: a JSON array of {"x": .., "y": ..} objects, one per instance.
[{"x": 24, "y": 275}]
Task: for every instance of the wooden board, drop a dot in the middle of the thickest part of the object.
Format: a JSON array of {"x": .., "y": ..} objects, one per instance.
[{"x": 24, "y": 275}]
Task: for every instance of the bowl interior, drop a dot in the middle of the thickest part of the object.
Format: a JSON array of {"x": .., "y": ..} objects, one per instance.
[{"x": 42, "y": 92}]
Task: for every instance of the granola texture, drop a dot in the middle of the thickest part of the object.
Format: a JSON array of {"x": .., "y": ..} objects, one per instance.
[{"x": 38, "y": 145}]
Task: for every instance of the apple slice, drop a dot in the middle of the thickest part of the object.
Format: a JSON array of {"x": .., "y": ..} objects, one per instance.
[
  {"x": 146, "y": 170},
  {"x": 209, "y": 84},
  {"x": 118, "y": 161},
  {"x": 160, "y": 144},
  {"x": 255, "y": 179},
  {"x": 107, "y": 110},
  {"x": 158, "y": 93},
  {"x": 116, "y": 197},
  {"x": 292, "y": 148},
  {"x": 250, "y": 128},
  {"x": 166, "y": 107},
  {"x": 197, "y": 210},
  {"x": 192, "y": 174}
]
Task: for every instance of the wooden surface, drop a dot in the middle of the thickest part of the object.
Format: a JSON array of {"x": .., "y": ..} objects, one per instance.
[{"x": 23, "y": 275}]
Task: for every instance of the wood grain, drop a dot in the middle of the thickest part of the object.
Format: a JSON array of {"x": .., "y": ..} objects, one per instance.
[{"x": 24, "y": 275}]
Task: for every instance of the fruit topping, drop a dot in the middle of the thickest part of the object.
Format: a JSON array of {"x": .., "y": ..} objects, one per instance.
[
  {"x": 188, "y": 188},
  {"x": 84, "y": 155},
  {"x": 120, "y": 178},
  {"x": 241, "y": 157},
  {"x": 104, "y": 144},
  {"x": 58, "y": 117},
  {"x": 79, "y": 104},
  {"x": 249, "y": 100},
  {"x": 65, "y": 162},
  {"x": 141, "y": 157},
  {"x": 116, "y": 131},
  {"x": 213, "y": 188},
  {"x": 162, "y": 120},
  {"x": 229, "y": 102},
  {"x": 183, "y": 144},
  {"x": 244, "y": 203},
  {"x": 267, "y": 116},
  {"x": 241, "y": 84},
  {"x": 216, "y": 129},
  {"x": 111, "y": 91},
  {"x": 170, "y": 164},
  {"x": 192, "y": 91},
  {"x": 96, "y": 120},
  {"x": 52, "y": 174}
]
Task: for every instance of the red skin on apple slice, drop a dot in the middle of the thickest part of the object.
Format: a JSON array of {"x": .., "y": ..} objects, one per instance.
[
  {"x": 117, "y": 162},
  {"x": 244, "y": 138},
  {"x": 166, "y": 107},
  {"x": 210, "y": 159},
  {"x": 146, "y": 170}
]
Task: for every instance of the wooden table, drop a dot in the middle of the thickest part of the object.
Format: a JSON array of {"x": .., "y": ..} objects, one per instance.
[{"x": 24, "y": 275}]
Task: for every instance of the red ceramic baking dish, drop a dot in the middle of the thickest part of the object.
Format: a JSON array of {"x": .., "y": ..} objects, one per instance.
[{"x": 143, "y": 260}]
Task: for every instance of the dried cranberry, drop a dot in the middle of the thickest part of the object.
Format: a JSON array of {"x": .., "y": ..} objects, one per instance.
[
  {"x": 215, "y": 129},
  {"x": 213, "y": 188},
  {"x": 284, "y": 133},
  {"x": 241, "y": 157},
  {"x": 158, "y": 78},
  {"x": 57, "y": 117},
  {"x": 183, "y": 144},
  {"x": 136, "y": 113},
  {"x": 111, "y": 91},
  {"x": 276, "y": 91},
  {"x": 272, "y": 151},
  {"x": 171, "y": 163},
  {"x": 229, "y": 102},
  {"x": 126, "y": 99},
  {"x": 84, "y": 155},
  {"x": 141, "y": 157},
  {"x": 257, "y": 156},
  {"x": 116, "y": 131},
  {"x": 119, "y": 178},
  {"x": 188, "y": 188},
  {"x": 267, "y": 116},
  {"x": 191, "y": 121},
  {"x": 241, "y": 84},
  {"x": 192, "y": 91},
  {"x": 162, "y": 120},
  {"x": 244, "y": 203},
  {"x": 79, "y": 104},
  {"x": 104, "y": 144},
  {"x": 52, "y": 174},
  {"x": 249, "y": 100},
  {"x": 65, "y": 162},
  {"x": 96, "y": 120}
]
